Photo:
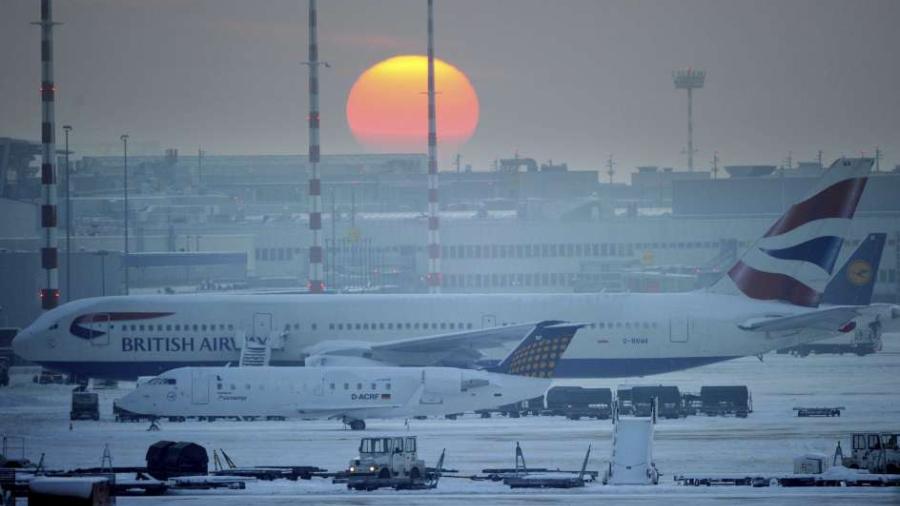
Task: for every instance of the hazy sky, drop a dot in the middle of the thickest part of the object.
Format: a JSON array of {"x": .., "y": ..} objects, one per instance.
[{"x": 565, "y": 80}]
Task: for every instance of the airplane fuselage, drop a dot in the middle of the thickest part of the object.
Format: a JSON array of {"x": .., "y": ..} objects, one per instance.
[
  {"x": 326, "y": 392},
  {"x": 627, "y": 334}
]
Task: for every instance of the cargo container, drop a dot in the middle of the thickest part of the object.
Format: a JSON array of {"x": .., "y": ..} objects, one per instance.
[
  {"x": 726, "y": 400},
  {"x": 578, "y": 402}
]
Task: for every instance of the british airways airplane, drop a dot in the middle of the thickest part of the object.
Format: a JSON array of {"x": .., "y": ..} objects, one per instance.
[{"x": 769, "y": 299}]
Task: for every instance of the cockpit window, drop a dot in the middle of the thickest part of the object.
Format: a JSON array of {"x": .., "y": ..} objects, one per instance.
[
  {"x": 161, "y": 381},
  {"x": 54, "y": 326}
]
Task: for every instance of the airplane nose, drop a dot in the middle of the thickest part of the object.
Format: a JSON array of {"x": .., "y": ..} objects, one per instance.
[{"x": 23, "y": 344}]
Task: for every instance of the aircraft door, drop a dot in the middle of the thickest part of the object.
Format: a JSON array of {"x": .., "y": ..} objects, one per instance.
[
  {"x": 679, "y": 330},
  {"x": 100, "y": 323},
  {"x": 262, "y": 325},
  {"x": 200, "y": 383},
  {"x": 488, "y": 321}
]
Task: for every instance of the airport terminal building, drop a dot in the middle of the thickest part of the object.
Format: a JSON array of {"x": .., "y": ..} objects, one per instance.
[{"x": 240, "y": 222}]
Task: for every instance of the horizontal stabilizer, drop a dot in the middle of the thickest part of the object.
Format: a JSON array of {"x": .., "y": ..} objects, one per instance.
[{"x": 829, "y": 319}]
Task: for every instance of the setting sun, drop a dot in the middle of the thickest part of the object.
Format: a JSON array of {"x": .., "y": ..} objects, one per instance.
[{"x": 387, "y": 106}]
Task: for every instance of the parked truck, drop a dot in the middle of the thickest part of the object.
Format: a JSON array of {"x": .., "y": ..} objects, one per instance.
[
  {"x": 668, "y": 400},
  {"x": 85, "y": 406},
  {"x": 726, "y": 400},
  {"x": 387, "y": 462},
  {"x": 878, "y": 452},
  {"x": 577, "y": 402}
]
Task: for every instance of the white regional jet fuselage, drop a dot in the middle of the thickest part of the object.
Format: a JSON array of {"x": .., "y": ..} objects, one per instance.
[
  {"x": 351, "y": 393},
  {"x": 626, "y": 335}
]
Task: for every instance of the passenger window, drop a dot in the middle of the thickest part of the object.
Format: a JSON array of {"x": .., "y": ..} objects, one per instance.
[
  {"x": 373, "y": 386},
  {"x": 194, "y": 327},
  {"x": 359, "y": 386},
  {"x": 203, "y": 327},
  {"x": 141, "y": 327},
  {"x": 365, "y": 326},
  {"x": 314, "y": 326},
  {"x": 340, "y": 326},
  {"x": 331, "y": 386},
  {"x": 330, "y": 326},
  {"x": 358, "y": 326},
  {"x": 168, "y": 328},
  {"x": 346, "y": 386},
  {"x": 387, "y": 386}
]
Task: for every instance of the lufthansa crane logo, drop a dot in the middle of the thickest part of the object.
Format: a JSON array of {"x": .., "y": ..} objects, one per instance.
[{"x": 860, "y": 273}]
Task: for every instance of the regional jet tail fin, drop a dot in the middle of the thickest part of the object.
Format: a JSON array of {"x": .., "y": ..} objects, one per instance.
[
  {"x": 854, "y": 283},
  {"x": 832, "y": 319},
  {"x": 539, "y": 353},
  {"x": 794, "y": 260}
]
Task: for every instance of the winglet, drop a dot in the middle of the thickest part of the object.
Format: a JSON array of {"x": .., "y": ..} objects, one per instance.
[{"x": 539, "y": 352}]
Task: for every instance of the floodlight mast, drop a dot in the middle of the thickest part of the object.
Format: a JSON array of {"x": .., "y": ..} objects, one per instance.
[{"x": 689, "y": 79}]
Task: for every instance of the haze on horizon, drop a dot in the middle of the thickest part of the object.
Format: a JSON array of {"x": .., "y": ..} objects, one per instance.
[{"x": 569, "y": 81}]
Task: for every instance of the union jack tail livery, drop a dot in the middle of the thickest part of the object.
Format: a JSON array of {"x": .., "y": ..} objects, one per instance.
[{"x": 795, "y": 259}]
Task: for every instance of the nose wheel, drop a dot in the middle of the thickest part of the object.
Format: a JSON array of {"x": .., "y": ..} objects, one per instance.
[{"x": 357, "y": 424}]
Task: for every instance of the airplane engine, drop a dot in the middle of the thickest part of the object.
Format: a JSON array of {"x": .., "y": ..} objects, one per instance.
[{"x": 442, "y": 381}]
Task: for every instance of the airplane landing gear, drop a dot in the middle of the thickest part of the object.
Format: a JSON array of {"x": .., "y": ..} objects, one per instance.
[{"x": 357, "y": 424}]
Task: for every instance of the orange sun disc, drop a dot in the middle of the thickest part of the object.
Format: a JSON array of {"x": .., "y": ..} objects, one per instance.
[{"x": 388, "y": 105}]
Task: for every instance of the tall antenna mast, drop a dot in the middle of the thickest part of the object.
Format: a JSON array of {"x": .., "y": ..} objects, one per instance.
[
  {"x": 434, "y": 243},
  {"x": 49, "y": 253},
  {"x": 315, "y": 283}
]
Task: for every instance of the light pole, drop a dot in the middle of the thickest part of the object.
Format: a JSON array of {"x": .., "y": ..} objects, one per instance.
[
  {"x": 124, "y": 139},
  {"x": 68, "y": 128}
]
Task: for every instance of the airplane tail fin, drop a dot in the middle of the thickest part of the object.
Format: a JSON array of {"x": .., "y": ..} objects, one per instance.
[
  {"x": 539, "y": 352},
  {"x": 854, "y": 283},
  {"x": 797, "y": 254}
]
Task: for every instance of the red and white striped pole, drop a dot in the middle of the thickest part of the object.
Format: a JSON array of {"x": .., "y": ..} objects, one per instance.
[
  {"x": 316, "y": 285},
  {"x": 49, "y": 253},
  {"x": 434, "y": 238}
]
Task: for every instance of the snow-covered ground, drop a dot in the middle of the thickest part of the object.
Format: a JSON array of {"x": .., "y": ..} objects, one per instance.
[{"x": 766, "y": 441}]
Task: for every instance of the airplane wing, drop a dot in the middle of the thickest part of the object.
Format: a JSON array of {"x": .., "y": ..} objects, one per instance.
[
  {"x": 827, "y": 319},
  {"x": 460, "y": 349}
]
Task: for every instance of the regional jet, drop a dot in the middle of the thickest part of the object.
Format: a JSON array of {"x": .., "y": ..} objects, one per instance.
[{"x": 353, "y": 393}]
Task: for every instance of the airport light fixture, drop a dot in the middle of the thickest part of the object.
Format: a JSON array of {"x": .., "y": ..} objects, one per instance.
[{"x": 689, "y": 79}]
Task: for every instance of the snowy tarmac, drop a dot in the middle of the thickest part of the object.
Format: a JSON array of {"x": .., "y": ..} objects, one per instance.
[{"x": 868, "y": 387}]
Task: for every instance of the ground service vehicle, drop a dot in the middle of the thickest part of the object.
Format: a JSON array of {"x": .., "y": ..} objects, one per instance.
[
  {"x": 85, "y": 406},
  {"x": 667, "y": 397},
  {"x": 877, "y": 452},
  {"x": 578, "y": 402},
  {"x": 386, "y": 461},
  {"x": 725, "y": 400}
]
